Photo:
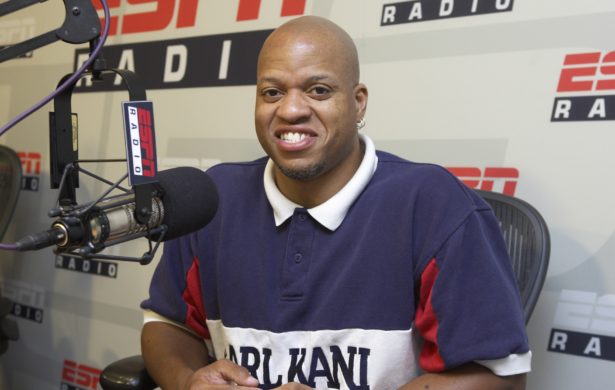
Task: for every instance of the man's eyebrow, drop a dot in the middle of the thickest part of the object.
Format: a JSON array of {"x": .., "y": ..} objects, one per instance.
[
  {"x": 316, "y": 78},
  {"x": 311, "y": 79},
  {"x": 272, "y": 80}
]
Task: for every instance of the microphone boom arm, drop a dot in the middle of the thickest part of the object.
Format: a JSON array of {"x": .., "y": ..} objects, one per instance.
[{"x": 81, "y": 24}]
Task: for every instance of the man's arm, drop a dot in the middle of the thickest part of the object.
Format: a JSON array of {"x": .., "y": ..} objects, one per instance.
[
  {"x": 471, "y": 376},
  {"x": 171, "y": 354},
  {"x": 176, "y": 359}
]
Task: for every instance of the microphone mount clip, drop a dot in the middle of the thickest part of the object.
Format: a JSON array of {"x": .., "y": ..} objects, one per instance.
[{"x": 80, "y": 240}]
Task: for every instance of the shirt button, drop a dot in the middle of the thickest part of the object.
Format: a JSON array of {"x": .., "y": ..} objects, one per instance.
[
  {"x": 298, "y": 257},
  {"x": 302, "y": 217}
]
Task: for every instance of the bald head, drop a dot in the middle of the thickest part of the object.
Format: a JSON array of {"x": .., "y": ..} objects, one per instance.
[
  {"x": 329, "y": 39},
  {"x": 308, "y": 103}
]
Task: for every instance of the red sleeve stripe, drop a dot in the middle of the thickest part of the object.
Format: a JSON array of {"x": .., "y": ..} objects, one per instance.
[
  {"x": 426, "y": 321},
  {"x": 195, "y": 315}
]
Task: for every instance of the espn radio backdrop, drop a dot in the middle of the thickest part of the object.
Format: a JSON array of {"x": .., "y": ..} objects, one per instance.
[{"x": 514, "y": 96}]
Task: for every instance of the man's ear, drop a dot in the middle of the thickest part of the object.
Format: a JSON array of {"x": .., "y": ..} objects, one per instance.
[{"x": 360, "y": 96}]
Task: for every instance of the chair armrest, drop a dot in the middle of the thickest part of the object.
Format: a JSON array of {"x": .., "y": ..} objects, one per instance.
[
  {"x": 127, "y": 374},
  {"x": 8, "y": 327}
]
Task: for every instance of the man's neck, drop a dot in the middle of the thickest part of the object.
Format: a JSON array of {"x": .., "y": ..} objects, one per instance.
[{"x": 313, "y": 192}]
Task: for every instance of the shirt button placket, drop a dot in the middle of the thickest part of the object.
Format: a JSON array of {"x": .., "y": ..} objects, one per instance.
[{"x": 296, "y": 262}]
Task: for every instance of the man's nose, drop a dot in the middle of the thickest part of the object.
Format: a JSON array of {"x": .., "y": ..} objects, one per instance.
[{"x": 294, "y": 107}]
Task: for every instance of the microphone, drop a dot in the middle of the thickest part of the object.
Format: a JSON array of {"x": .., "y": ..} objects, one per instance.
[{"x": 185, "y": 199}]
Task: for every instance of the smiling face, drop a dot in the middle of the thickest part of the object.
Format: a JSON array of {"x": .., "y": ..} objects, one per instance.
[{"x": 308, "y": 101}]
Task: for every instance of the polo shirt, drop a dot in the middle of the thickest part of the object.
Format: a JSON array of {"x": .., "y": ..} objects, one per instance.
[{"x": 403, "y": 271}]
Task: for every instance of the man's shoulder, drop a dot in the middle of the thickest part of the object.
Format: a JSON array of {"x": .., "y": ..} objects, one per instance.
[
  {"x": 425, "y": 183},
  {"x": 236, "y": 179},
  {"x": 392, "y": 165}
]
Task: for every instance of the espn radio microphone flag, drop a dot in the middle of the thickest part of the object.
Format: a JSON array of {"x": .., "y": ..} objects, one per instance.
[
  {"x": 140, "y": 138},
  {"x": 188, "y": 200}
]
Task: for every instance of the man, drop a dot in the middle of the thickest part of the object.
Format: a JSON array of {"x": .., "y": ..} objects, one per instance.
[{"x": 331, "y": 265}]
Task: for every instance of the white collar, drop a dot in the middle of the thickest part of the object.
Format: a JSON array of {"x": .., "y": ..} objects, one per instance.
[{"x": 331, "y": 213}]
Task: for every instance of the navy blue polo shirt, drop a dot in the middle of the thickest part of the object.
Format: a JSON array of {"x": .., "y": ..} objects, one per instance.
[{"x": 403, "y": 271}]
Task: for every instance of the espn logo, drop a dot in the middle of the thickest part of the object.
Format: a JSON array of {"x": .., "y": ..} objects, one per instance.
[
  {"x": 585, "y": 73},
  {"x": 423, "y": 10},
  {"x": 31, "y": 170},
  {"x": 85, "y": 266},
  {"x": 179, "y": 63},
  {"x": 140, "y": 141},
  {"x": 146, "y": 138},
  {"x": 28, "y": 299},
  {"x": 164, "y": 14},
  {"x": 592, "y": 317},
  {"x": 79, "y": 376},
  {"x": 496, "y": 179}
]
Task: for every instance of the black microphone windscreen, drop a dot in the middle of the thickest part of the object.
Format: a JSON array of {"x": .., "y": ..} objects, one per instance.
[{"x": 190, "y": 200}]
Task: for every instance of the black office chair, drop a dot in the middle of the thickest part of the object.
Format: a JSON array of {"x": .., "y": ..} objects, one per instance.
[
  {"x": 528, "y": 242},
  {"x": 527, "y": 239},
  {"x": 10, "y": 185}
]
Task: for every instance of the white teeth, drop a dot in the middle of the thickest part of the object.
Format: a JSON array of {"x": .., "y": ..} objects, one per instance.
[{"x": 292, "y": 137}]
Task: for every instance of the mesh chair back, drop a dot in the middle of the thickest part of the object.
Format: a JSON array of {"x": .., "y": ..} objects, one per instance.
[
  {"x": 527, "y": 239},
  {"x": 10, "y": 184}
]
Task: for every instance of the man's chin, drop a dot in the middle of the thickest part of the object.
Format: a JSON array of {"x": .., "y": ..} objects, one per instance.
[{"x": 301, "y": 173}]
